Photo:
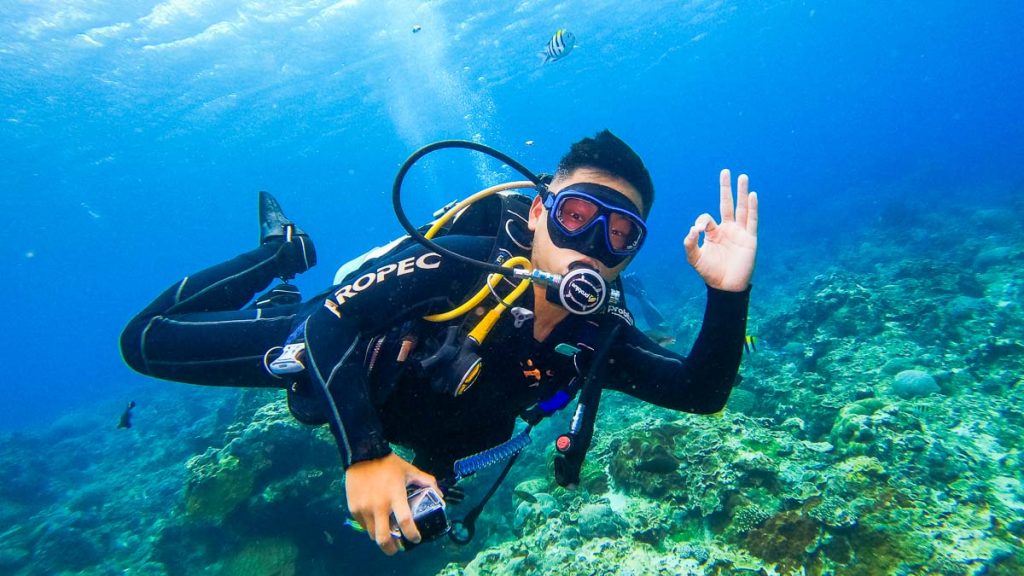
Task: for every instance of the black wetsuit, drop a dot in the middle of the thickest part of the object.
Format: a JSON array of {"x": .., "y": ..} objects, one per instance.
[{"x": 197, "y": 332}]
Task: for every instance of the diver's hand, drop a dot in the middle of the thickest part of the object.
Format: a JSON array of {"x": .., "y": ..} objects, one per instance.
[
  {"x": 726, "y": 258},
  {"x": 375, "y": 489}
]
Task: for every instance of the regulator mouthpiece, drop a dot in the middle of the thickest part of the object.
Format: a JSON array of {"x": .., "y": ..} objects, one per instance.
[{"x": 581, "y": 291}]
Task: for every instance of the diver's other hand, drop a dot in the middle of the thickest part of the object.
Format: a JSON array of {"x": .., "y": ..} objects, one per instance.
[
  {"x": 726, "y": 258},
  {"x": 375, "y": 489}
]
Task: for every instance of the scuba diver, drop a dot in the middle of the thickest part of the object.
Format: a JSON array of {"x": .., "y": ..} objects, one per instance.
[{"x": 394, "y": 353}]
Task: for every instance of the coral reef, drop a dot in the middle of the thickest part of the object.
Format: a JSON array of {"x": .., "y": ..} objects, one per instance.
[
  {"x": 913, "y": 383},
  {"x": 102, "y": 495},
  {"x": 272, "y": 557},
  {"x": 876, "y": 430}
]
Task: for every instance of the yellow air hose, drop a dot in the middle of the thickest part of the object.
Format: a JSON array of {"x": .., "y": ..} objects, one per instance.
[
  {"x": 487, "y": 323},
  {"x": 468, "y": 201}
]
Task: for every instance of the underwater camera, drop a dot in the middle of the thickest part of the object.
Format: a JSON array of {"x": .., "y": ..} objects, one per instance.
[{"x": 428, "y": 513}]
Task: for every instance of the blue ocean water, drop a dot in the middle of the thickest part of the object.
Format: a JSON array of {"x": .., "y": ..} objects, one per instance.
[{"x": 135, "y": 135}]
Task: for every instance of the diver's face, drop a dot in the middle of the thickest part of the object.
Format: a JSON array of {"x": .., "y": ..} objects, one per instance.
[{"x": 550, "y": 258}]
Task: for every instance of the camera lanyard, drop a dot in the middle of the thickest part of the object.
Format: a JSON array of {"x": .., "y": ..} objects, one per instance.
[{"x": 463, "y": 530}]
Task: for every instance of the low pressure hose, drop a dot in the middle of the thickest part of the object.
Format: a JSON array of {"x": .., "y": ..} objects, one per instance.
[{"x": 396, "y": 198}]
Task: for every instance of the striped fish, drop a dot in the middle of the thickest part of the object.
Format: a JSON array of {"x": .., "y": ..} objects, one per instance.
[
  {"x": 559, "y": 46},
  {"x": 750, "y": 343}
]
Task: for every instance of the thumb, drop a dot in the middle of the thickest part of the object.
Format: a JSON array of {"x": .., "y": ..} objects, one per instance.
[{"x": 690, "y": 243}]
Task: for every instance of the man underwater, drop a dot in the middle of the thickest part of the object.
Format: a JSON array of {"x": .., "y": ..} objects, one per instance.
[{"x": 371, "y": 368}]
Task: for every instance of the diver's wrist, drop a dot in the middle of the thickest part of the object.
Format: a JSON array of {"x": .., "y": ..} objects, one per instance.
[{"x": 372, "y": 449}]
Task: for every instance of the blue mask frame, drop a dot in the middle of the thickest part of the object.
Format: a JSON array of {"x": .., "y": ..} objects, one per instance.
[{"x": 593, "y": 238}]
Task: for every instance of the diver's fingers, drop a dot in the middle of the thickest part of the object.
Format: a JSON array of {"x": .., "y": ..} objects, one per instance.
[
  {"x": 382, "y": 532},
  {"x": 366, "y": 521},
  {"x": 421, "y": 478},
  {"x": 705, "y": 223},
  {"x": 742, "y": 184},
  {"x": 405, "y": 522},
  {"x": 752, "y": 214},
  {"x": 725, "y": 195},
  {"x": 690, "y": 243}
]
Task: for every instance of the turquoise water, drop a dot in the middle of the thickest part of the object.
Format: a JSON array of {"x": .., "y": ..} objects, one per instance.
[{"x": 884, "y": 142}]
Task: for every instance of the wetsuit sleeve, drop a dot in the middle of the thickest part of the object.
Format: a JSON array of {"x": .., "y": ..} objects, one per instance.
[
  {"x": 699, "y": 382},
  {"x": 412, "y": 283}
]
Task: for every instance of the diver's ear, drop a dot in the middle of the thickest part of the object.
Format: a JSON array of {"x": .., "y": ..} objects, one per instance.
[{"x": 536, "y": 211}]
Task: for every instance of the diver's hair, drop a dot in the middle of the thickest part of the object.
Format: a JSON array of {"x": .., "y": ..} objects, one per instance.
[{"x": 608, "y": 153}]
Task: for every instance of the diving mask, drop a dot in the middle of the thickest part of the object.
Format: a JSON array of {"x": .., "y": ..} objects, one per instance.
[{"x": 595, "y": 220}]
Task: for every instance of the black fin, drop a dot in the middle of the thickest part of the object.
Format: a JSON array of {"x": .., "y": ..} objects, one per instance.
[{"x": 273, "y": 222}]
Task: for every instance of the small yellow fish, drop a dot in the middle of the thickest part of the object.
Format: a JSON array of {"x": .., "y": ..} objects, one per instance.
[
  {"x": 354, "y": 525},
  {"x": 750, "y": 343}
]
